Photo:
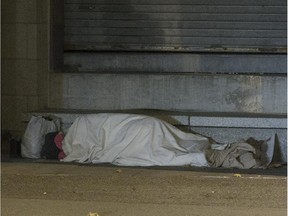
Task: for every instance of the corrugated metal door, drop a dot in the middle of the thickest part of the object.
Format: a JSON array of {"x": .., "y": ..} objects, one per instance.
[{"x": 176, "y": 25}]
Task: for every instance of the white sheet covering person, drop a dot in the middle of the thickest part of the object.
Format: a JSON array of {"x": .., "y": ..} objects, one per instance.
[
  {"x": 132, "y": 140},
  {"x": 138, "y": 140}
]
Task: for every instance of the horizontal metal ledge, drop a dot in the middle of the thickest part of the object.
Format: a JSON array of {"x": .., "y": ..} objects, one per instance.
[
  {"x": 227, "y": 24},
  {"x": 194, "y": 2},
  {"x": 141, "y": 62}
]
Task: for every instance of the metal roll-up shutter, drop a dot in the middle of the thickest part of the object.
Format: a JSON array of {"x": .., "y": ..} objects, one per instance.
[{"x": 176, "y": 25}]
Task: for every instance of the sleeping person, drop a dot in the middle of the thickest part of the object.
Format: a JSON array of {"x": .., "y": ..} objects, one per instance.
[{"x": 139, "y": 140}]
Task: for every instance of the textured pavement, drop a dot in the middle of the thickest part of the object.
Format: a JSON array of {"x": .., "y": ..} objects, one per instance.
[{"x": 71, "y": 189}]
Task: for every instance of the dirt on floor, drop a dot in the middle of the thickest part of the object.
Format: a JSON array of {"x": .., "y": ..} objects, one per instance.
[{"x": 70, "y": 189}]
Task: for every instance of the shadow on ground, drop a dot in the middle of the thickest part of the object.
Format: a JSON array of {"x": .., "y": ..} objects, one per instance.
[{"x": 279, "y": 171}]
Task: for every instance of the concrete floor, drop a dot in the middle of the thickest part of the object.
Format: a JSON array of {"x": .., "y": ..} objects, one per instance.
[{"x": 30, "y": 188}]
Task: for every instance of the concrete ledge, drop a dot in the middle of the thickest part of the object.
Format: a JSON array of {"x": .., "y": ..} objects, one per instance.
[
  {"x": 184, "y": 118},
  {"x": 238, "y": 122}
]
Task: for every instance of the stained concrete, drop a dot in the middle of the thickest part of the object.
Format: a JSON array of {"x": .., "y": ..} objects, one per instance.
[{"x": 206, "y": 93}]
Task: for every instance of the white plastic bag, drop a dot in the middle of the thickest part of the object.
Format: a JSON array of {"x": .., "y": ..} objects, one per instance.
[{"x": 34, "y": 136}]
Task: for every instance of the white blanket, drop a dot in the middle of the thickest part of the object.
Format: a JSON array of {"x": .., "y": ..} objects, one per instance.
[
  {"x": 132, "y": 140},
  {"x": 137, "y": 140}
]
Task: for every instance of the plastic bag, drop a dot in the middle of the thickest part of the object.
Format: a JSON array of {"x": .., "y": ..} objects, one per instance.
[{"x": 34, "y": 136}]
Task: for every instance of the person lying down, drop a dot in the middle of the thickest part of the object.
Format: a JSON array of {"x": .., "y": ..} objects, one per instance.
[{"x": 139, "y": 140}]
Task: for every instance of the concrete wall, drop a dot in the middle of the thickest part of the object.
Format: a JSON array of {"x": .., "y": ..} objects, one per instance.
[
  {"x": 211, "y": 93},
  {"x": 24, "y": 59}
]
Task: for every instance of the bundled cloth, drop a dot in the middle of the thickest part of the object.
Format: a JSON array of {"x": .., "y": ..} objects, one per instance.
[
  {"x": 241, "y": 155},
  {"x": 138, "y": 140}
]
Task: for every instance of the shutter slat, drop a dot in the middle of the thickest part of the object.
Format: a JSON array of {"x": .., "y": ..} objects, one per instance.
[
  {"x": 176, "y": 9},
  {"x": 177, "y": 40},
  {"x": 176, "y": 24},
  {"x": 180, "y": 2},
  {"x": 176, "y": 16},
  {"x": 175, "y": 32}
]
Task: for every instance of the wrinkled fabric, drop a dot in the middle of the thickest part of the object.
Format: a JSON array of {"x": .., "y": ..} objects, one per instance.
[
  {"x": 132, "y": 140},
  {"x": 264, "y": 150},
  {"x": 236, "y": 155},
  {"x": 138, "y": 140}
]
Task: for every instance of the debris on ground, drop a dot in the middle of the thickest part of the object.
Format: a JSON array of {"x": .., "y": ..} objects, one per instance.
[
  {"x": 93, "y": 214},
  {"x": 119, "y": 171}
]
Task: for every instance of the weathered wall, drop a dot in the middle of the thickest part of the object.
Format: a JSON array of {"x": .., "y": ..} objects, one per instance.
[
  {"x": 24, "y": 60},
  {"x": 212, "y": 93}
]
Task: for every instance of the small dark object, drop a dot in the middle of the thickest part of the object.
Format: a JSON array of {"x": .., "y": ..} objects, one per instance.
[
  {"x": 49, "y": 149},
  {"x": 15, "y": 148},
  {"x": 10, "y": 147}
]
